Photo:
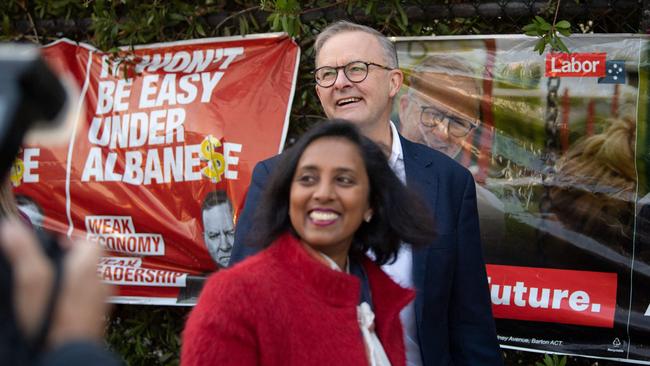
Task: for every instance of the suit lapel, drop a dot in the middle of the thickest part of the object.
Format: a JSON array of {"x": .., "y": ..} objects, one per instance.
[
  {"x": 421, "y": 176},
  {"x": 420, "y": 172}
]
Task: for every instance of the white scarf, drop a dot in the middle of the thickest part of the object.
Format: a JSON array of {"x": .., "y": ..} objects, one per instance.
[{"x": 366, "y": 318}]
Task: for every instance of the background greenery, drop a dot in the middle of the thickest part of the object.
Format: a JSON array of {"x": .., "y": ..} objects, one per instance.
[{"x": 148, "y": 335}]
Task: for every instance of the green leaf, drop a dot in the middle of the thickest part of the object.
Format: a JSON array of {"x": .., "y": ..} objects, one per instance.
[
  {"x": 564, "y": 32},
  {"x": 252, "y": 19},
  {"x": 417, "y": 28},
  {"x": 6, "y": 24},
  {"x": 276, "y": 22},
  {"x": 349, "y": 7},
  {"x": 297, "y": 27},
  {"x": 545, "y": 26},
  {"x": 292, "y": 26},
  {"x": 177, "y": 17},
  {"x": 563, "y": 361},
  {"x": 402, "y": 13},
  {"x": 540, "y": 46},
  {"x": 547, "y": 360},
  {"x": 539, "y": 19},
  {"x": 369, "y": 7},
  {"x": 285, "y": 23},
  {"x": 293, "y": 5},
  {"x": 243, "y": 25},
  {"x": 443, "y": 29},
  {"x": 563, "y": 24},
  {"x": 57, "y": 5},
  {"x": 199, "y": 29},
  {"x": 530, "y": 27},
  {"x": 561, "y": 46}
]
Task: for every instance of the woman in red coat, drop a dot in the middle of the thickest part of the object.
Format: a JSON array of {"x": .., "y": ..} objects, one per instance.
[{"x": 314, "y": 297}]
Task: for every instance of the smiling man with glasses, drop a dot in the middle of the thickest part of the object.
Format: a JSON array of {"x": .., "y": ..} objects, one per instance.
[
  {"x": 357, "y": 77},
  {"x": 450, "y": 322},
  {"x": 435, "y": 116},
  {"x": 442, "y": 105},
  {"x": 441, "y": 109}
]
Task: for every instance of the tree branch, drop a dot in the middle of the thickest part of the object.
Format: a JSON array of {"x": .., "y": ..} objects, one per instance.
[
  {"x": 557, "y": 9},
  {"x": 31, "y": 20},
  {"x": 324, "y": 7},
  {"x": 234, "y": 15}
]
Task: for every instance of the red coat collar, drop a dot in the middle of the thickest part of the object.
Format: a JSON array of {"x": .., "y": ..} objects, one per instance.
[{"x": 339, "y": 288}]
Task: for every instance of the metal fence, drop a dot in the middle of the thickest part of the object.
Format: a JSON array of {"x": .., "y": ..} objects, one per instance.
[
  {"x": 467, "y": 17},
  {"x": 599, "y": 16}
]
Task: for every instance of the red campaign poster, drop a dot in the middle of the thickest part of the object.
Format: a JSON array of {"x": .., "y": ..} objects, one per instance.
[{"x": 161, "y": 155}]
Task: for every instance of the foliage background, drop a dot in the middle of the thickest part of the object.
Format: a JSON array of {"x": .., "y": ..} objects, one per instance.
[{"x": 147, "y": 335}]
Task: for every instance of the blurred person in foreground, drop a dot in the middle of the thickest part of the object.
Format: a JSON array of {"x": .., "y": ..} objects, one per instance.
[
  {"x": 441, "y": 109},
  {"x": 314, "y": 297},
  {"x": 52, "y": 307},
  {"x": 55, "y": 315},
  {"x": 450, "y": 322}
]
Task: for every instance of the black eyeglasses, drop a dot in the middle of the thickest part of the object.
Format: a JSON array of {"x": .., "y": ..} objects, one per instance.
[
  {"x": 355, "y": 71},
  {"x": 433, "y": 116}
]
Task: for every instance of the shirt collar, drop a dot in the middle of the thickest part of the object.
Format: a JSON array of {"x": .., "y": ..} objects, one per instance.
[
  {"x": 333, "y": 264},
  {"x": 396, "y": 153}
]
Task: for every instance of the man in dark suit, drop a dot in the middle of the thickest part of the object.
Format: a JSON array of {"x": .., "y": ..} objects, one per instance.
[{"x": 450, "y": 322}]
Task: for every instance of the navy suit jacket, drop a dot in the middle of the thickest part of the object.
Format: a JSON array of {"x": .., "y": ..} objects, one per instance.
[{"x": 453, "y": 311}]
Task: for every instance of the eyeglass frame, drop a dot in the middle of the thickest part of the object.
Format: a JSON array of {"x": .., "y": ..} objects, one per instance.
[
  {"x": 337, "y": 68},
  {"x": 446, "y": 118}
]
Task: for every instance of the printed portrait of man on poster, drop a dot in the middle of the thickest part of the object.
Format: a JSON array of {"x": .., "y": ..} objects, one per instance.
[{"x": 557, "y": 146}]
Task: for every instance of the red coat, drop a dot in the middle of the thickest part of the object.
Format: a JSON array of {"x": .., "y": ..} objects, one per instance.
[{"x": 283, "y": 307}]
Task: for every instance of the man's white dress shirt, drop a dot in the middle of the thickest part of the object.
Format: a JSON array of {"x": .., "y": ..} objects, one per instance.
[{"x": 401, "y": 271}]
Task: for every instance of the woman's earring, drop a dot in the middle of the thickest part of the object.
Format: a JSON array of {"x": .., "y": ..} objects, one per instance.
[{"x": 368, "y": 217}]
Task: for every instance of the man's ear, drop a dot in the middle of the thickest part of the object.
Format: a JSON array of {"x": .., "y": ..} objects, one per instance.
[
  {"x": 403, "y": 104},
  {"x": 395, "y": 83}
]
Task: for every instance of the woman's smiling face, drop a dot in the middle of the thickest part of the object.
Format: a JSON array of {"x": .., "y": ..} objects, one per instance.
[{"x": 329, "y": 196}]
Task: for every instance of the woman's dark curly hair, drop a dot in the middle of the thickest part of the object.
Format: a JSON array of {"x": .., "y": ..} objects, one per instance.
[{"x": 398, "y": 213}]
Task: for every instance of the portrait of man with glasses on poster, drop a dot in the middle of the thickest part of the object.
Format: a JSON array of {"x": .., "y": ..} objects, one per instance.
[{"x": 442, "y": 109}]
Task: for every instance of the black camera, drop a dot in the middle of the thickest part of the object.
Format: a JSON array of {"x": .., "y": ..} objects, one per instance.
[{"x": 30, "y": 96}]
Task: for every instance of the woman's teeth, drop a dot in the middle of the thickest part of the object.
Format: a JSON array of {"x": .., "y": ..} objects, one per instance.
[{"x": 323, "y": 215}]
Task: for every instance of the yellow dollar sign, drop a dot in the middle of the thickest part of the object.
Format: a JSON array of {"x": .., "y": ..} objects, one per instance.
[
  {"x": 216, "y": 163},
  {"x": 17, "y": 171}
]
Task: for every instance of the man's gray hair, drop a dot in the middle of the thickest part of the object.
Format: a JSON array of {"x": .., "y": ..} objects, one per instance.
[
  {"x": 343, "y": 26},
  {"x": 444, "y": 64}
]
